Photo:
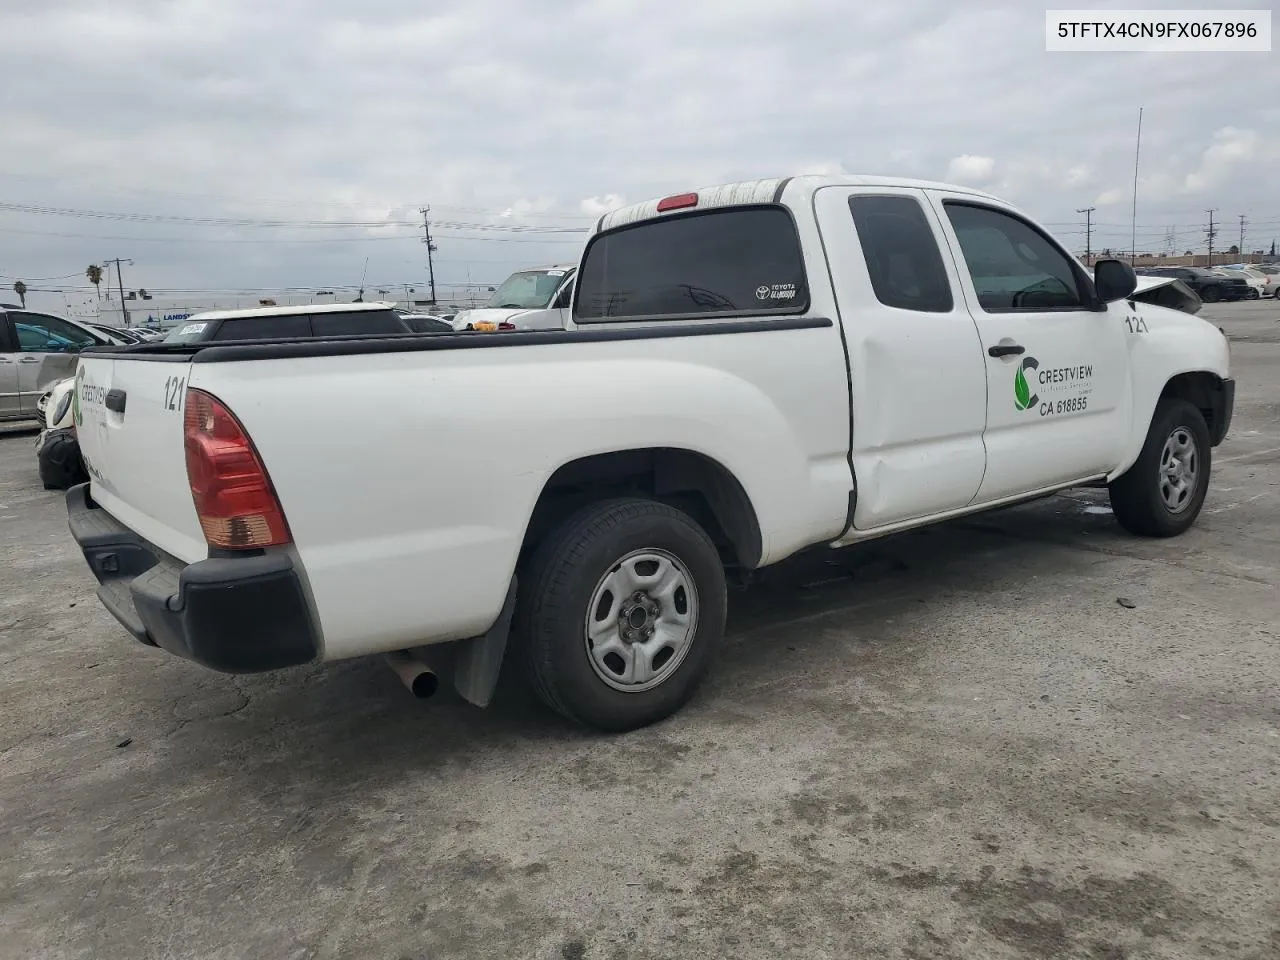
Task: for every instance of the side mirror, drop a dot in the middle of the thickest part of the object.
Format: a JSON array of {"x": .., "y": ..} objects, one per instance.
[{"x": 1114, "y": 280}]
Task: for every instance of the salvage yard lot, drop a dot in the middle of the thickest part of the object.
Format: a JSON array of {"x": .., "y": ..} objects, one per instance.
[{"x": 956, "y": 743}]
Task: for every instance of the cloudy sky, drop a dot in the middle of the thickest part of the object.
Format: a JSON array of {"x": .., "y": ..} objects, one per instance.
[{"x": 260, "y": 144}]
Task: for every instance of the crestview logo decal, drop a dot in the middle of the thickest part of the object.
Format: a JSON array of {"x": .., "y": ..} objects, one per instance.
[{"x": 1067, "y": 389}]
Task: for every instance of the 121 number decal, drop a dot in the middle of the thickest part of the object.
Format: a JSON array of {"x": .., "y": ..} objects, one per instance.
[
  {"x": 1136, "y": 324},
  {"x": 173, "y": 393}
]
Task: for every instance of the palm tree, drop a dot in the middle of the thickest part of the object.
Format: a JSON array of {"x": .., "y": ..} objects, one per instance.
[
  {"x": 94, "y": 273},
  {"x": 20, "y": 289}
]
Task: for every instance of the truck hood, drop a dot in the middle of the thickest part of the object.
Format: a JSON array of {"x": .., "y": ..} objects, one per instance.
[{"x": 1169, "y": 292}]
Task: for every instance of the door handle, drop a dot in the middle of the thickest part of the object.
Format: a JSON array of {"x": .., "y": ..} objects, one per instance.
[
  {"x": 29, "y": 360},
  {"x": 1006, "y": 350},
  {"x": 115, "y": 400}
]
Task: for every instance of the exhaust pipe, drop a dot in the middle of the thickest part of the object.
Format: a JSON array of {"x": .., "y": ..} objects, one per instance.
[{"x": 418, "y": 678}]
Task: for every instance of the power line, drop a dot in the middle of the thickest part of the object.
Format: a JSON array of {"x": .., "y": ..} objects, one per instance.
[{"x": 414, "y": 237}]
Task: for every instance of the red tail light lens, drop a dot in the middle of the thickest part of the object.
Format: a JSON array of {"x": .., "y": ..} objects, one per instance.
[
  {"x": 506, "y": 326},
  {"x": 678, "y": 202},
  {"x": 236, "y": 504}
]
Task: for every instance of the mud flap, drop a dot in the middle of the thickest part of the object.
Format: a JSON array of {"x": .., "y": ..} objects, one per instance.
[{"x": 479, "y": 660}]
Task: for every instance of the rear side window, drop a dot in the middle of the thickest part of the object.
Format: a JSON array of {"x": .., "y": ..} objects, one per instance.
[
  {"x": 367, "y": 322},
  {"x": 901, "y": 253},
  {"x": 736, "y": 261},
  {"x": 284, "y": 326}
]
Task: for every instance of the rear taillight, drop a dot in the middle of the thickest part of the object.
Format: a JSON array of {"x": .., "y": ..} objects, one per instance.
[
  {"x": 506, "y": 326},
  {"x": 236, "y": 504}
]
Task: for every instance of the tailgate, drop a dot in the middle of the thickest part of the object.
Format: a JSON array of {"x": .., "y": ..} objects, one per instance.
[{"x": 128, "y": 416}]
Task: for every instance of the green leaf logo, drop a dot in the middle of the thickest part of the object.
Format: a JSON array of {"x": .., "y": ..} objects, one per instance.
[
  {"x": 1021, "y": 392},
  {"x": 76, "y": 417}
]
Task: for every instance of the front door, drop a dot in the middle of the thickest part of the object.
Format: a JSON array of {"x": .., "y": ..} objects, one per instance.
[{"x": 1058, "y": 390}]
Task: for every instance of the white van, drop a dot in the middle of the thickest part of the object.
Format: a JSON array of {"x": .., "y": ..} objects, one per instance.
[{"x": 535, "y": 299}]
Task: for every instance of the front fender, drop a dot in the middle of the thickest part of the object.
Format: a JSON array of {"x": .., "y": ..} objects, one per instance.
[{"x": 1168, "y": 344}]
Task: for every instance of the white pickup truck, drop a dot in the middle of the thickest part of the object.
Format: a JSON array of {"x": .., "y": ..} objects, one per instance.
[{"x": 749, "y": 370}]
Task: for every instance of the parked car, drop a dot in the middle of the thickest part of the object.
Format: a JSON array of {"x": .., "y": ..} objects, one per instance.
[
  {"x": 147, "y": 334},
  {"x": 1208, "y": 285},
  {"x": 536, "y": 299},
  {"x": 426, "y": 323},
  {"x": 748, "y": 371},
  {"x": 36, "y": 350},
  {"x": 1266, "y": 285},
  {"x": 57, "y": 448},
  {"x": 290, "y": 323},
  {"x": 115, "y": 333}
]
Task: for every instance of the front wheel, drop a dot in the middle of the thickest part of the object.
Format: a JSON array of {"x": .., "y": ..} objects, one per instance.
[
  {"x": 1211, "y": 294},
  {"x": 621, "y": 610},
  {"x": 1162, "y": 493}
]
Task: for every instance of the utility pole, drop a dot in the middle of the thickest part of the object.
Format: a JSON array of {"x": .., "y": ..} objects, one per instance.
[
  {"x": 431, "y": 248},
  {"x": 1243, "y": 221},
  {"x": 1211, "y": 233},
  {"x": 124, "y": 311},
  {"x": 1088, "y": 231}
]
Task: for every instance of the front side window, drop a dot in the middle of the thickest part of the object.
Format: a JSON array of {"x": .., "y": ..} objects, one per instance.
[
  {"x": 1014, "y": 267},
  {"x": 733, "y": 261},
  {"x": 527, "y": 290},
  {"x": 901, "y": 253},
  {"x": 38, "y": 333}
]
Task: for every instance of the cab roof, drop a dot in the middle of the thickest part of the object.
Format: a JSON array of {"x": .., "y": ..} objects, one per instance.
[
  {"x": 793, "y": 190},
  {"x": 285, "y": 311}
]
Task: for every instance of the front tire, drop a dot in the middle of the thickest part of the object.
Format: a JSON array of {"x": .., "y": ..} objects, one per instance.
[
  {"x": 620, "y": 613},
  {"x": 1211, "y": 294},
  {"x": 1162, "y": 493}
]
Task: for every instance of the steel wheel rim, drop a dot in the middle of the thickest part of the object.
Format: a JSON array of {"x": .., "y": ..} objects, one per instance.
[
  {"x": 1179, "y": 470},
  {"x": 641, "y": 620}
]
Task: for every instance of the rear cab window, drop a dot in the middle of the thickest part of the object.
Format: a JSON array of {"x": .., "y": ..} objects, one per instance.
[
  {"x": 723, "y": 262},
  {"x": 282, "y": 326},
  {"x": 356, "y": 322}
]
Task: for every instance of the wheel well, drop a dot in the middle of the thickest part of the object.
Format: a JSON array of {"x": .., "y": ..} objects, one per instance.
[
  {"x": 689, "y": 481},
  {"x": 1202, "y": 390}
]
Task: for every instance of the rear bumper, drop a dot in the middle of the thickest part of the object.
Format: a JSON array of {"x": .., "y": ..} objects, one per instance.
[
  {"x": 1224, "y": 400},
  {"x": 233, "y": 614}
]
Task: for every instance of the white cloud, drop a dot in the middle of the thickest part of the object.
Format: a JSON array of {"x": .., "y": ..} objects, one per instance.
[
  {"x": 969, "y": 169},
  {"x": 598, "y": 206},
  {"x": 320, "y": 110}
]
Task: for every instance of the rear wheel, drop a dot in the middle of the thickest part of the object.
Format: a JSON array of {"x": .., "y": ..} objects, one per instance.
[
  {"x": 620, "y": 612},
  {"x": 1211, "y": 294},
  {"x": 1162, "y": 493}
]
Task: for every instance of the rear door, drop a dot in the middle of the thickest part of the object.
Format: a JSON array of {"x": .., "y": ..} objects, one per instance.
[
  {"x": 128, "y": 415},
  {"x": 1057, "y": 370},
  {"x": 916, "y": 364}
]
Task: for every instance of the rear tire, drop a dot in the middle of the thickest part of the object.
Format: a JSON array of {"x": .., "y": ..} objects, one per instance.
[
  {"x": 1162, "y": 493},
  {"x": 620, "y": 612}
]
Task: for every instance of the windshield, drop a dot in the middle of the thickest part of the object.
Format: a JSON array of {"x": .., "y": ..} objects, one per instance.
[{"x": 528, "y": 290}]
